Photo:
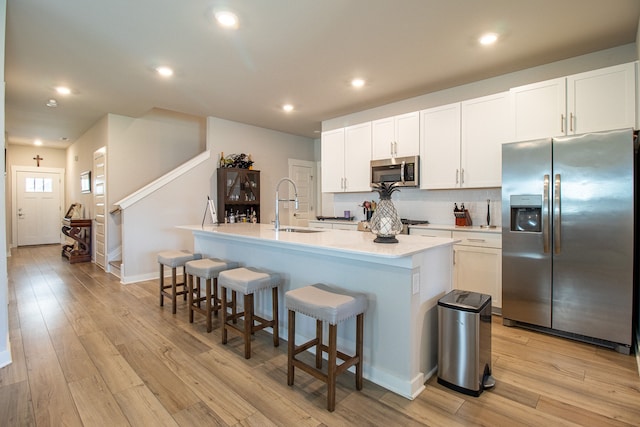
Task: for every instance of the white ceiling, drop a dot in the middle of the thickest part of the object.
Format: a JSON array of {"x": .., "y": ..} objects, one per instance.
[{"x": 300, "y": 51}]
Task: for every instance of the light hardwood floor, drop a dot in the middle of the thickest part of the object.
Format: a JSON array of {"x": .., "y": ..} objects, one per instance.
[{"x": 89, "y": 351}]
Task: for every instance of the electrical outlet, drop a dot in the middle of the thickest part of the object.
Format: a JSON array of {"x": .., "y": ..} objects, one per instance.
[{"x": 416, "y": 283}]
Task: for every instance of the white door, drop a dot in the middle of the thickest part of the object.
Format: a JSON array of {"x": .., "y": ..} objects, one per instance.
[
  {"x": 99, "y": 206},
  {"x": 38, "y": 207},
  {"x": 302, "y": 173}
]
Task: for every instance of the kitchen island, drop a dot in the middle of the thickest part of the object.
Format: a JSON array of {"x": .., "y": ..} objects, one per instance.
[{"x": 402, "y": 281}]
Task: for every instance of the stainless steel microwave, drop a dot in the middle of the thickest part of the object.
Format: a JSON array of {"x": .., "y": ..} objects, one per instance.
[{"x": 402, "y": 170}]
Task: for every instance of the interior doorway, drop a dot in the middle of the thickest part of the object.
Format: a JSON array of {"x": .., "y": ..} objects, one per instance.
[
  {"x": 303, "y": 173},
  {"x": 37, "y": 201}
]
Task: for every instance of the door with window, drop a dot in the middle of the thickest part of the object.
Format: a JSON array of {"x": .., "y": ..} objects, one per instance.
[{"x": 38, "y": 207}]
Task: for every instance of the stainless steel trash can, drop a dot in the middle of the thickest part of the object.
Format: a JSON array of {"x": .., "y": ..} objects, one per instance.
[{"x": 464, "y": 342}]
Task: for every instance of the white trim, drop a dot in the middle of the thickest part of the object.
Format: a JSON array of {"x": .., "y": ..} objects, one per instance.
[
  {"x": 638, "y": 350},
  {"x": 163, "y": 180},
  {"x": 5, "y": 356},
  {"x": 14, "y": 197}
]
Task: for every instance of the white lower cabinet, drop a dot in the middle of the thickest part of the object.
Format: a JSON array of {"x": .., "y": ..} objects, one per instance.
[
  {"x": 477, "y": 261},
  {"x": 477, "y": 264},
  {"x": 335, "y": 225}
]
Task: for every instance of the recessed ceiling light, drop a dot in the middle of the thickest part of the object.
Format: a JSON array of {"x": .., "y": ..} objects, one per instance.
[
  {"x": 226, "y": 19},
  {"x": 488, "y": 39},
  {"x": 37, "y": 142},
  {"x": 62, "y": 90},
  {"x": 357, "y": 82},
  {"x": 52, "y": 103},
  {"x": 165, "y": 71},
  {"x": 287, "y": 107}
]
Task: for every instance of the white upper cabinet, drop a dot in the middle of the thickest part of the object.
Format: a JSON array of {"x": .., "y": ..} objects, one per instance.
[
  {"x": 346, "y": 155},
  {"x": 602, "y": 99},
  {"x": 587, "y": 102},
  {"x": 397, "y": 136},
  {"x": 485, "y": 127},
  {"x": 332, "y": 153},
  {"x": 440, "y": 147},
  {"x": 538, "y": 110},
  {"x": 461, "y": 143}
]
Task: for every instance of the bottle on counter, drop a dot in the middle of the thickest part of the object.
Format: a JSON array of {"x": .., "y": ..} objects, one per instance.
[{"x": 221, "y": 163}]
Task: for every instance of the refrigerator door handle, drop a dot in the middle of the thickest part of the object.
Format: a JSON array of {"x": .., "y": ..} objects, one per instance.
[
  {"x": 556, "y": 215},
  {"x": 546, "y": 224}
]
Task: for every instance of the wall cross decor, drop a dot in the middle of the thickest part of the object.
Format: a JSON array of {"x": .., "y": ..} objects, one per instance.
[{"x": 37, "y": 158}]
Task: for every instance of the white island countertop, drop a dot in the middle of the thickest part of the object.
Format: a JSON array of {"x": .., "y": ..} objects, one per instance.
[
  {"x": 403, "y": 282},
  {"x": 352, "y": 244}
]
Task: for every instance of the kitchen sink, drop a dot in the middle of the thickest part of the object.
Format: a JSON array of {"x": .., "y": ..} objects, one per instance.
[{"x": 299, "y": 230}]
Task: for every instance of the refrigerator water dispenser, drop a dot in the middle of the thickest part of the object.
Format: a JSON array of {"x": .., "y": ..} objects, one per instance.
[{"x": 526, "y": 213}]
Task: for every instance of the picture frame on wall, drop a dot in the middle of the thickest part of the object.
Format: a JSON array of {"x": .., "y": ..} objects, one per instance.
[{"x": 85, "y": 182}]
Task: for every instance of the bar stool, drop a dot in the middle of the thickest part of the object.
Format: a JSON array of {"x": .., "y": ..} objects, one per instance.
[
  {"x": 173, "y": 260},
  {"x": 206, "y": 269},
  {"x": 247, "y": 281},
  {"x": 332, "y": 305}
]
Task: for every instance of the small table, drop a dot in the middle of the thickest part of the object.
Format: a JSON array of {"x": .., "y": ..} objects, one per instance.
[{"x": 80, "y": 231}]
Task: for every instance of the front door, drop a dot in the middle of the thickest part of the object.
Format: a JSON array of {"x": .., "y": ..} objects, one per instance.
[
  {"x": 38, "y": 207},
  {"x": 302, "y": 173}
]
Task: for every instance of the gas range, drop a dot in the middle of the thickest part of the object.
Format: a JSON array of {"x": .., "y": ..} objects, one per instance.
[{"x": 407, "y": 222}]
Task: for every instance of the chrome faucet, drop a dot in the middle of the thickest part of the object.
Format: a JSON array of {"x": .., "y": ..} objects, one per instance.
[{"x": 278, "y": 200}]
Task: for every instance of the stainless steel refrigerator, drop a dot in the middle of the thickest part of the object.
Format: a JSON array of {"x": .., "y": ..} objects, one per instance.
[{"x": 568, "y": 236}]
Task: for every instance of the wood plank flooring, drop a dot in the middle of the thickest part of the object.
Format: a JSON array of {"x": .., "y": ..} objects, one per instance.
[{"x": 89, "y": 351}]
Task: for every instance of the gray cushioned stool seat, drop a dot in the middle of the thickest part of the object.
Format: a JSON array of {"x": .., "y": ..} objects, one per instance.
[
  {"x": 247, "y": 280},
  {"x": 175, "y": 259},
  {"x": 206, "y": 269},
  {"x": 326, "y": 303}
]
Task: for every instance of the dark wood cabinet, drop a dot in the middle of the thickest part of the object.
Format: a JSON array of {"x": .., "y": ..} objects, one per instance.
[{"x": 238, "y": 194}]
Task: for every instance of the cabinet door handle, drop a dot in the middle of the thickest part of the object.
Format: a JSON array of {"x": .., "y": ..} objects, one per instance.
[
  {"x": 391, "y": 148},
  {"x": 345, "y": 183},
  {"x": 461, "y": 176},
  {"x": 571, "y": 122},
  {"x": 457, "y": 176},
  {"x": 562, "y": 123},
  {"x": 477, "y": 240}
]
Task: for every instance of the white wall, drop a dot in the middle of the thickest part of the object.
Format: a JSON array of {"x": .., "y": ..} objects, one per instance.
[
  {"x": 270, "y": 150},
  {"x": 592, "y": 61},
  {"x": 5, "y": 345},
  {"x": 149, "y": 226}
]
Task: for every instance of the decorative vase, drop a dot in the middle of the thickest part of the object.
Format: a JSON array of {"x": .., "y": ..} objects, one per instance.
[{"x": 385, "y": 222}]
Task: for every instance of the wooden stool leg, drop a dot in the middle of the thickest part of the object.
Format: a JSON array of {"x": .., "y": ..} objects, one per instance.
[
  {"x": 208, "y": 304},
  {"x": 234, "y": 306},
  {"x": 248, "y": 324},
  {"x": 319, "y": 344},
  {"x": 291, "y": 347},
  {"x": 276, "y": 336},
  {"x": 331, "y": 375},
  {"x": 184, "y": 283},
  {"x": 161, "y": 285},
  {"x": 216, "y": 298},
  {"x": 173, "y": 289},
  {"x": 190, "y": 297},
  {"x": 359, "y": 349},
  {"x": 224, "y": 315}
]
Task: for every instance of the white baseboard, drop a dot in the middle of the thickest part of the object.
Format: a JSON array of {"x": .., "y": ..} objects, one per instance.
[
  {"x": 5, "y": 356},
  {"x": 638, "y": 350}
]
